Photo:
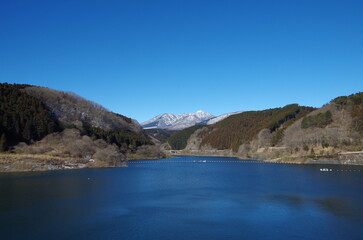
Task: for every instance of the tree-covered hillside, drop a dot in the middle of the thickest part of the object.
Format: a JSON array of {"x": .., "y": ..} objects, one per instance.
[
  {"x": 244, "y": 127},
  {"x": 70, "y": 109},
  {"x": 126, "y": 140},
  {"x": 29, "y": 113},
  {"x": 355, "y": 102},
  {"x": 291, "y": 133},
  {"x": 23, "y": 118},
  {"x": 160, "y": 134},
  {"x": 179, "y": 139}
]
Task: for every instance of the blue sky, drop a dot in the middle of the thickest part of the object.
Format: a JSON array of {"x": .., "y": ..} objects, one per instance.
[{"x": 144, "y": 58}]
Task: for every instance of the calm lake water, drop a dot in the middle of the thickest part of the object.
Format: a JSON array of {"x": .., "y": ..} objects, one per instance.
[{"x": 184, "y": 200}]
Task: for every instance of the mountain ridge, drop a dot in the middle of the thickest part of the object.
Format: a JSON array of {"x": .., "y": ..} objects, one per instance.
[{"x": 172, "y": 121}]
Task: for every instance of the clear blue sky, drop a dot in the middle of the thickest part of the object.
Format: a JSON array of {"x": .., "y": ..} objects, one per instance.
[{"x": 144, "y": 58}]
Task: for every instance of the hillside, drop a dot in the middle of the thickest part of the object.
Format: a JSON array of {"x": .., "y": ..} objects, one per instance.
[
  {"x": 179, "y": 139},
  {"x": 244, "y": 127},
  {"x": 29, "y": 115},
  {"x": 332, "y": 133},
  {"x": 220, "y": 118},
  {"x": 159, "y": 135},
  {"x": 23, "y": 118},
  {"x": 71, "y": 109}
]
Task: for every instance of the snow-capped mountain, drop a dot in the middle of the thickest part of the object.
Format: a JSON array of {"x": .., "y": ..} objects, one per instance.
[
  {"x": 220, "y": 117},
  {"x": 172, "y": 121}
]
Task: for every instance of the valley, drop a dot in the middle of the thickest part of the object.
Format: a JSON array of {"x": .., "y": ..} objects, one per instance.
[{"x": 45, "y": 129}]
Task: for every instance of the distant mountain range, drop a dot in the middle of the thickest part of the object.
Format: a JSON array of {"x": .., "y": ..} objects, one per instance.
[{"x": 172, "y": 121}]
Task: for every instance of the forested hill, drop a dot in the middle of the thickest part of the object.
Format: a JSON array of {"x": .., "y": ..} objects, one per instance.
[
  {"x": 333, "y": 132},
  {"x": 23, "y": 118},
  {"x": 71, "y": 109},
  {"x": 29, "y": 113},
  {"x": 179, "y": 139},
  {"x": 244, "y": 127}
]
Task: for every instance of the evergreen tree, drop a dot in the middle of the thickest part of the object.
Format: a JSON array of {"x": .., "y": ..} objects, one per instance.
[
  {"x": 23, "y": 117},
  {"x": 3, "y": 143}
]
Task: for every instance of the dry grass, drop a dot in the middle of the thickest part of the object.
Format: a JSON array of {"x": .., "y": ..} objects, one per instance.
[
  {"x": 18, "y": 156},
  {"x": 71, "y": 144},
  {"x": 38, "y": 162},
  {"x": 65, "y": 150},
  {"x": 10, "y": 162}
]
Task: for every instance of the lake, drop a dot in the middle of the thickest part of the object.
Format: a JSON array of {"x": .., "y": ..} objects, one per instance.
[{"x": 184, "y": 198}]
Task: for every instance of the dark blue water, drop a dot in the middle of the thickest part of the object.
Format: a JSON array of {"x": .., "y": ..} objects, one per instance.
[{"x": 184, "y": 200}]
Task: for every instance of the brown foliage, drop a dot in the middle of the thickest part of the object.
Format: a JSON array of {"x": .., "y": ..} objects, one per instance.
[
  {"x": 337, "y": 134},
  {"x": 150, "y": 151},
  {"x": 244, "y": 127},
  {"x": 70, "y": 143}
]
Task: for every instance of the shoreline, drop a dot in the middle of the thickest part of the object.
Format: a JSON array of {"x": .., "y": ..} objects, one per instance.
[
  {"x": 10, "y": 162},
  {"x": 18, "y": 162},
  {"x": 15, "y": 162},
  {"x": 345, "y": 158}
]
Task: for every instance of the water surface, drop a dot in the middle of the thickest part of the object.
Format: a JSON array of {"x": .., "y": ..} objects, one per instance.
[{"x": 184, "y": 199}]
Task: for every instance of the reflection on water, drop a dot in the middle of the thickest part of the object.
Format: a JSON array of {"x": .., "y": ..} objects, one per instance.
[
  {"x": 183, "y": 201},
  {"x": 38, "y": 187},
  {"x": 342, "y": 207}
]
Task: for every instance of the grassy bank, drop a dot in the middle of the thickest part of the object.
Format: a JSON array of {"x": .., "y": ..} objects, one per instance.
[{"x": 10, "y": 162}]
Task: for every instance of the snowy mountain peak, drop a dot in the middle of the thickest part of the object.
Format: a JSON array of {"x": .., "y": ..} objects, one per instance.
[
  {"x": 172, "y": 121},
  {"x": 177, "y": 121},
  {"x": 202, "y": 114}
]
